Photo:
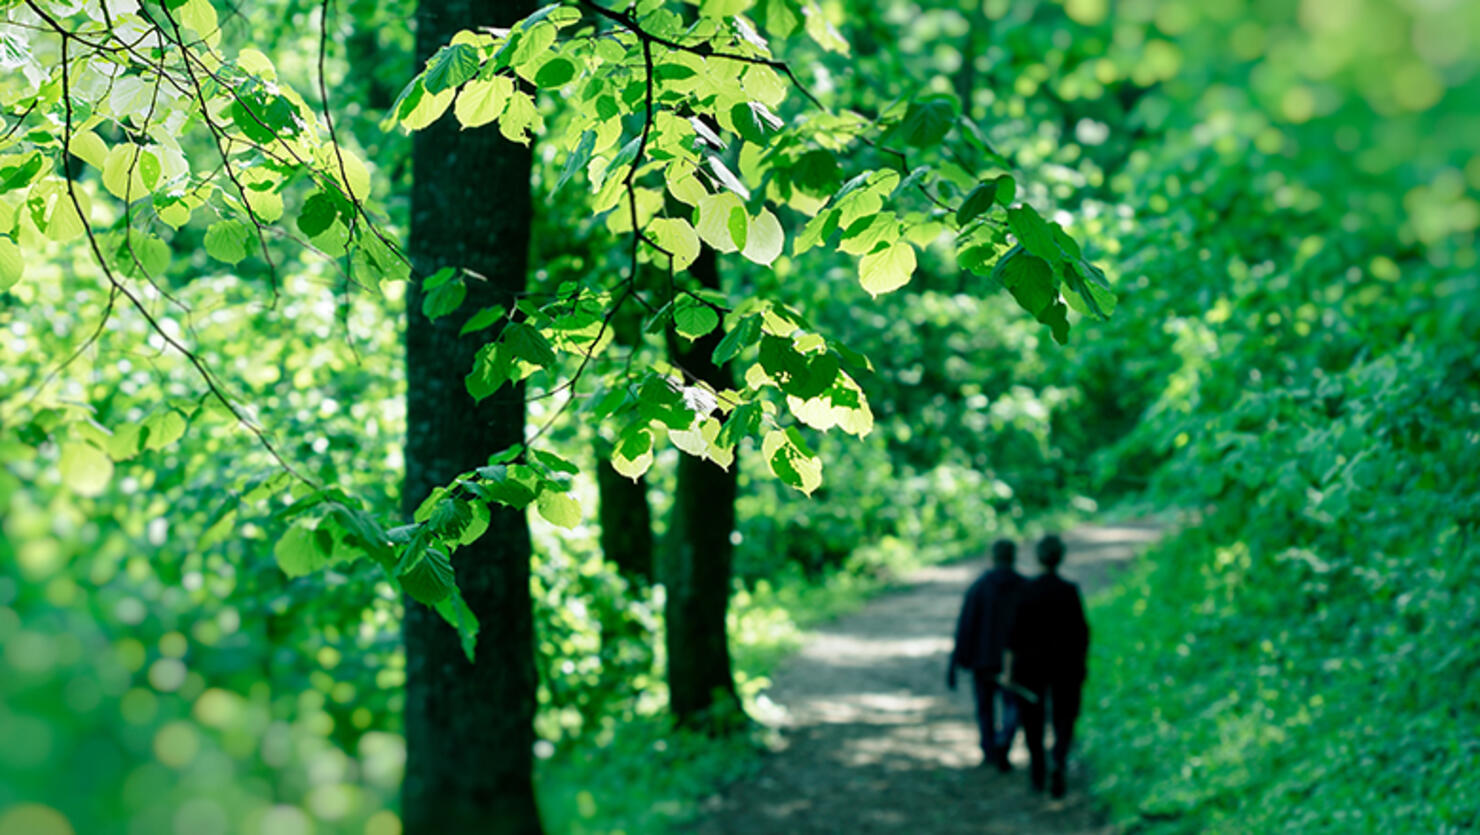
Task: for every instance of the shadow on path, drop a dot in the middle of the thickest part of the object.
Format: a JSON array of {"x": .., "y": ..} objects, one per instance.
[{"x": 874, "y": 743}]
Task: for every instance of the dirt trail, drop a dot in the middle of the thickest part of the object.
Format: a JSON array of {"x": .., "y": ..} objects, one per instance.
[{"x": 874, "y": 743}]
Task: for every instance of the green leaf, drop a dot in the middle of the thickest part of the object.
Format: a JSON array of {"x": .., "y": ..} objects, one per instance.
[
  {"x": 12, "y": 267},
  {"x": 745, "y": 420},
  {"x": 1086, "y": 297},
  {"x": 18, "y": 176},
  {"x": 455, "y": 611},
  {"x": 555, "y": 462},
  {"x": 532, "y": 43},
  {"x": 449, "y": 517},
  {"x": 420, "y": 111},
  {"x": 927, "y": 121},
  {"x": 519, "y": 119},
  {"x": 378, "y": 259},
  {"x": 482, "y": 319},
  {"x": 815, "y": 231},
  {"x": 444, "y": 299},
  {"x": 85, "y": 469},
  {"x": 477, "y": 525},
  {"x": 298, "y": 552},
  {"x": 528, "y": 344},
  {"x": 822, "y": 369},
  {"x": 1034, "y": 234},
  {"x": 738, "y": 225},
  {"x": 439, "y": 278},
  {"x": 491, "y": 369},
  {"x": 817, "y": 172},
  {"x": 556, "y": 72},
  {"x": 503, "y": 484},
  {"x": 164, "y": 428},
  {"x": 429, "y": 579},
  {"x": 740, "y": 336},
  {"x": 578, "y": 158},
  {"x": 868, "y": 233},
  {"x": 672, "y": 71},
  {"x": 1006, "y": 189},
  {"x": 727, "y": 177},
  {"x": 763, "y": 238},
  {"x": 821, "y": 30},
  {"x": 715, "y": 213},
  {"x": 482, "y": 100},
  {"x": 888, "y": 269},
  {"x": 1056, "y": 316},
  {"x": 1029, "y": 278},
  {"x": 978, "y": 202},
  {"x": 452, "y": 65},
  {"x": 226, "y": 240},
  {"x": 124, "y": 443},
  {"x": 978, "y": 259},
  {"x": 755, "y": 122},
  {"x": 791, "y": 461},
  {"x": 780, "y": 359},
  {"x": 678, "y": 238},
  {"x": 559, "y": 509},
  {"x": 694, "y": 321}
]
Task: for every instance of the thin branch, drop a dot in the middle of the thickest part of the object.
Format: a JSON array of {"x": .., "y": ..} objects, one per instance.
[
  {"x": 220, "y": 142},
  {"x": 627, "y": 21},
  {"x": 117, "y": 286}
]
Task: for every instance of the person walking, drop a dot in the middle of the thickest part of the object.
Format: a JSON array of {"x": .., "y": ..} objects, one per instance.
[
  {"x": 1047, "y": 654},
  {"x": 981, "y": 635}
]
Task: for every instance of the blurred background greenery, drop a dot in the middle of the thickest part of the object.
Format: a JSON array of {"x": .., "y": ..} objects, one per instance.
[{"x": 1283, "y": 193}]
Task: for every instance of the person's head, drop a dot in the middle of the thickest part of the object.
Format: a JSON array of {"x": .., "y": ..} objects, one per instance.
[
  {"x": 1051, "y": 552},
  {"x": 1004, "y": 553}
]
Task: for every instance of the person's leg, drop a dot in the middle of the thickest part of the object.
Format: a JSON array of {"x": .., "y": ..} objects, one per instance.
[
  {"x": 1066, "y": 702},
  {"x": 1003, "y": 740},
  {"x": 1032, "y": 715},
  {"x": 983, "y": 687}
]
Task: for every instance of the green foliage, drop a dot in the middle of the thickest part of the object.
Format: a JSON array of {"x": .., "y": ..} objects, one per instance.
[{"x": 1284, "y": 205}]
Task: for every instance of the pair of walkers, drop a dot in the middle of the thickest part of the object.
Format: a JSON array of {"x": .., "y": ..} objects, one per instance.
[{"x": 1025, "y": 643}]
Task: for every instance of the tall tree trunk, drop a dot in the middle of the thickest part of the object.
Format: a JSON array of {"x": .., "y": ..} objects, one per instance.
[
  {"x": 469, "y": 731},
  {"x": 697, "y": 557},
  {"x": 626, "y": 519}
]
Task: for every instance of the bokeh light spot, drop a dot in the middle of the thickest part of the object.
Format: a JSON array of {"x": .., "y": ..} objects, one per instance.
[
  {"x": 176, "y": 744},
  {"x": 383, "y": 822},
  {"x": 34, "y": 819}
]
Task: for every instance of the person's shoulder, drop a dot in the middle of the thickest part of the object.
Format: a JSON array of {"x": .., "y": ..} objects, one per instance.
[{"x": 1067, "y": 586}]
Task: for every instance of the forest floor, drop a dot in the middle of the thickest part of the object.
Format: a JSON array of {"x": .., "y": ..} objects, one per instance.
[{"x": 871, "y": 741}]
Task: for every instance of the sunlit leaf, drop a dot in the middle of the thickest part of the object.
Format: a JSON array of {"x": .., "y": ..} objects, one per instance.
[
  {"x": 888, "y": 269},
  {"x": 85, "y": 468}
]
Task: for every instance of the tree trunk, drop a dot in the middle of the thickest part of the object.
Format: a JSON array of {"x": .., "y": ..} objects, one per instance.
[
  {"x": 697, "y": 557},
  {"x": 626, "y": 520},
  {"x": 469, "y": 732}
]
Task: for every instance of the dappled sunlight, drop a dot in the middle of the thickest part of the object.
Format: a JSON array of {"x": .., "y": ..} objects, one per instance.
[{"x": 839, "y": 650}]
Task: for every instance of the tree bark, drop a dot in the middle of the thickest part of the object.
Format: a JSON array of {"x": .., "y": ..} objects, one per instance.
[
  {"x": 626, "y": 519},
  {"x": 697, "y": 557},
  {"x": 469, "y": 726}
]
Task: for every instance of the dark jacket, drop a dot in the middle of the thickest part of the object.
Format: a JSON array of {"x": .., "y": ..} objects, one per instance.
[
  {"x": 1049, "y": 637},
  {"x": 986, "y": 615}
]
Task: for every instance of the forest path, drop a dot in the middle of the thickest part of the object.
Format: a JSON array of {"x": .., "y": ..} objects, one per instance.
[{"x": 874, "y": 743}]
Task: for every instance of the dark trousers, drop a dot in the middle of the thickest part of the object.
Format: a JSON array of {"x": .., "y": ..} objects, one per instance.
[
  {"x": 1061, "y": 698},
  {"x": 993, "y": 739}
]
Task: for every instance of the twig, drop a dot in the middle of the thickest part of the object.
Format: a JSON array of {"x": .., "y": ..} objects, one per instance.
[{"x": 117, "y": 286}]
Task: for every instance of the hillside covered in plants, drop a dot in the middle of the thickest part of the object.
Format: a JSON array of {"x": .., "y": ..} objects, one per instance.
[{"x": 449, "y": 417}]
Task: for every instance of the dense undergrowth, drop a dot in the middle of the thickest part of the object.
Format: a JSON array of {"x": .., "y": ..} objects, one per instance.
[{"x": 1303, "y": 657}]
